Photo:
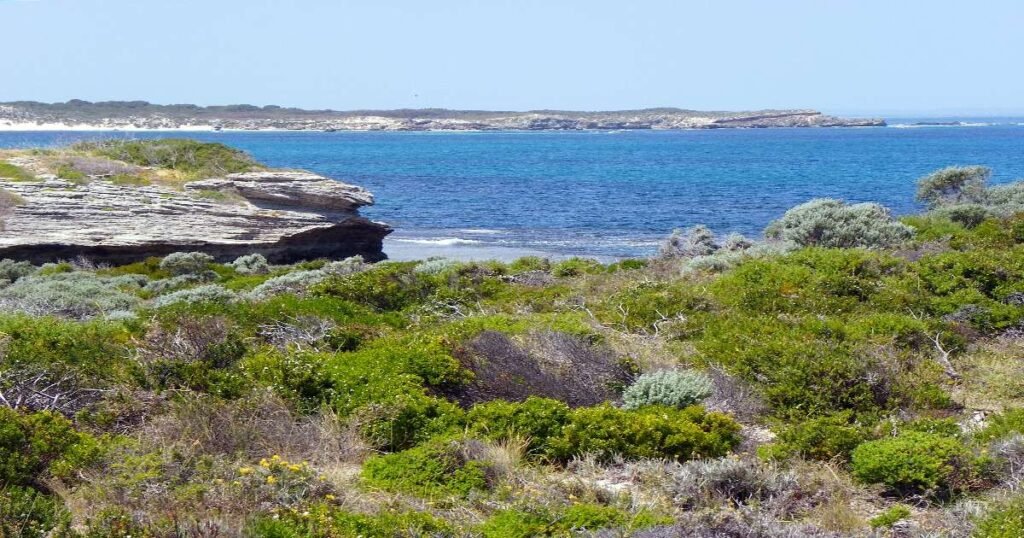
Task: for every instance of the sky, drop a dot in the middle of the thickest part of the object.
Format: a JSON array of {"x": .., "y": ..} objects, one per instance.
[{"x": 855, "y": 57}]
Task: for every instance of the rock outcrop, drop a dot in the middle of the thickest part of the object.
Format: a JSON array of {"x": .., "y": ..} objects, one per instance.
[{"x": 286, "y": 216}]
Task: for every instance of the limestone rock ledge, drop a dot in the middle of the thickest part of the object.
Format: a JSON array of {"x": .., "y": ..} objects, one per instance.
[{"x": 286, "y": 216}]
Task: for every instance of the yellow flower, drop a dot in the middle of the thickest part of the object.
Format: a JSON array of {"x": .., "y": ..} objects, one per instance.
[
  {"x": 244, "y": 471},
  {"x": 329, "y": 497},
  {"x": 271, "y": 480},
  {"x": 264, "y": 463},
  {"x": 294, "y": 468}
]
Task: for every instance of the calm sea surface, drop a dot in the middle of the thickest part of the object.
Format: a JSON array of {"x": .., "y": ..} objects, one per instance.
[{"x": 610, "y": 193}]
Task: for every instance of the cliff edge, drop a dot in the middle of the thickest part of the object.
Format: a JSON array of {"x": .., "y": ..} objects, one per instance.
[{"x": 76, "y": 202}]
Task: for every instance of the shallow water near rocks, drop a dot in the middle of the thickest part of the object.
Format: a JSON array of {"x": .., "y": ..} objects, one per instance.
[{"x": 607, "y": 194}]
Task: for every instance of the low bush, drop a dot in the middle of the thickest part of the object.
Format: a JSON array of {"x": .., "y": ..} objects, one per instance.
[
  {"x": 650, "y": 432},
  {"x": 537, "y": 420},
  {"x": 194, "y": 158},
  {"x": 253, "y": 264},
  {"x": 77, "y": 295},
  {"x": 35, "y": 446},
  {"x": 953, "y": 185},
  {"x": 439, "y": 468},
  {"x": 833, "y": 224},
  {"x": 11, "y": 271},
  {"x": 691, "y": 243},
  {"x": 186, "y": 263},
  {"x": 576, "y": 267},
  {"x": 822, "y": 438},
  {"x": 574, "y": 520},
  {"x": 890, "y": 516},
  {"x": 674, "y": 388},
  {"x": 914, "y": 462},
  {"x": 12, "y": 172},
  {"x": 210, "y": 293},
  {"x": 734, "y": 482}
]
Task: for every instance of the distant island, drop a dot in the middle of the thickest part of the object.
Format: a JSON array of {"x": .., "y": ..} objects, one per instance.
[{"x": 141, "y": 115}]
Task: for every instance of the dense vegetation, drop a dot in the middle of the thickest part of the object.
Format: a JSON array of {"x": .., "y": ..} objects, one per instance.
[{"x": 821, "y": 384}]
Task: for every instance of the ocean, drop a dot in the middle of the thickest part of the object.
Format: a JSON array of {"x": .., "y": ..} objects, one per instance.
[{"x": 608, "y": 194}]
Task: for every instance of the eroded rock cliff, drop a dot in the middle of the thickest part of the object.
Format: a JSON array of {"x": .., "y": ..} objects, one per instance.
[{"x": 286, "y": 216}]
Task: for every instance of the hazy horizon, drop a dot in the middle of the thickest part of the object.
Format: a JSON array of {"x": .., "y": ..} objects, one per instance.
[{"x": 871, "y": 58}]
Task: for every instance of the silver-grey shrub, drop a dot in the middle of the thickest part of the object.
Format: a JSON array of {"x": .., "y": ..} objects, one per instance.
[
  {"x": 76, "y": 295},
  {"x": 825, "y": 222},
  {"x": 691, "y": 242},
  {"x": 183, "y": 263},
  {"x": 300, "y": 281},
  {"x": 252, "y": 264},
  {"x": 348, "y": 266},
  {"x": 677, "y": 388},
  {"x": 953, "y": 185},
  {"x": 210, "y": 293},
  {"x": 731, "y": 481},
  {"x": 294, "y": 282}
]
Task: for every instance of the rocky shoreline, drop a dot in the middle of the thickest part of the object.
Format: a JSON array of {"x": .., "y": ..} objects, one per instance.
[
  {"x": 82, "y": 115},
  {"x": 287, "y": 216}
]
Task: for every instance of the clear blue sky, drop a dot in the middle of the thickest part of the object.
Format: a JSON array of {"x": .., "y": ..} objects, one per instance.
[{"x": 841, "y": 56}]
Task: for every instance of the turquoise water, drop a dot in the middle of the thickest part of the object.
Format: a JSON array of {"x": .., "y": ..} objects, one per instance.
[{"x": 611, "y": 193}]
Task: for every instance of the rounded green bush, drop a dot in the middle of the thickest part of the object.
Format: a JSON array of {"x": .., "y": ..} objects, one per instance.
[
  {"x": 438, "y": 468},
  {"x": 913, "y": 462},
  {"x": 674, "y": 388},
  {"x": 654, "y": 431}
]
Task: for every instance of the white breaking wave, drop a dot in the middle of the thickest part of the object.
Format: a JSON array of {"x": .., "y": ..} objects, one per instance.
[{"x": 444, "y": 242}]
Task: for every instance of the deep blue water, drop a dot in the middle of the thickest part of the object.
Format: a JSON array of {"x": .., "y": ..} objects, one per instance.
[{"x": 612, "y": 193}]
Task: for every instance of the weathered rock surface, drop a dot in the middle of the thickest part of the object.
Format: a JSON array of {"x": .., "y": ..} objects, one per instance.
[
  {"x": 142, "y": 115},
  {"x": 286, "y": 216}
]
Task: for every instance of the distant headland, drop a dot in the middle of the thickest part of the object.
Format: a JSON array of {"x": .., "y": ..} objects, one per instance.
[{"x": 141, "y": 115}]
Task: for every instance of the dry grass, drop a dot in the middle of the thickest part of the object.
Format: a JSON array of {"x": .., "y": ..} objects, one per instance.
[{"x": 992, "y": 375}]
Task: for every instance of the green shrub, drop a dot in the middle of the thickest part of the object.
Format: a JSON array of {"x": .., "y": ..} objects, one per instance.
[
  {"x": 821, "y": 438},
  {"x": 387, "y": 287},
  {"x": 27, "y": 513},
  {"x": 34, "y": 446},
  {"x": 651, "y": 432},
  {"x": 914, "y": 462},
  {"x": 1004, "y": 521},
  {"x": 674, "y": 388},
  {"x": 577, "y": 267},
  {"x": 831, "y": 223},
  {"x": 537, "y": 420},
  {"x": 11, "y": 172},
  {"x": 439, "y": 468},
  {"x": 803, "y": 366},
  {"x": 890, "y": 516},
  {"x": 196, "y": 159},
  {"x": 574, "y": 519},
  {"x": 94, "y": 348},
  {"x": 68, "y": 172}
]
